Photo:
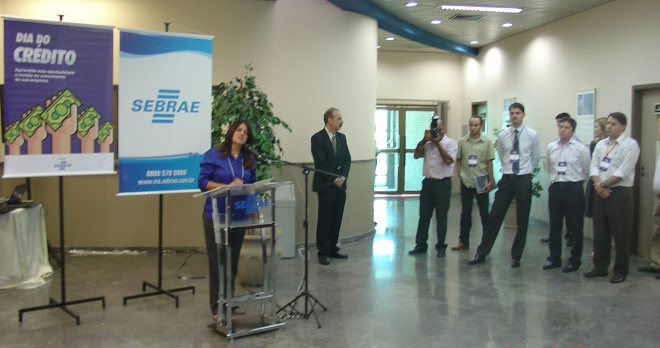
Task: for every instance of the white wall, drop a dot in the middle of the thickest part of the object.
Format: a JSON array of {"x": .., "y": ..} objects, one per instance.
[
  {"x": 610, "y": 48},
  {"x": 308, "y": 55},
  {"x": 424, "y": 77}
]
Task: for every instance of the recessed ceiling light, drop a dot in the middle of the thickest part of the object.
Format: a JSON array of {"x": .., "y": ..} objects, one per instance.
[
  {"x": 436, "y": 21},
  {"x": 507, "y": 24},
  {"x": 482, "y": 8},
  {"x": 411, "y": 4},
  {"x": 474, "y": 42},
  {"x": 389, "y": 38}
]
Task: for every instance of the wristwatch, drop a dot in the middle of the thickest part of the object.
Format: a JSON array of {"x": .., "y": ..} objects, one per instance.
[{"x": 602, "y": 184}]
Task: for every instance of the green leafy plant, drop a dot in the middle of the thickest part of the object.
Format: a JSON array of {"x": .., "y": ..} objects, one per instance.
[
  {"x": 242, "y": 98},
  {"x": 536, "y": 185}
]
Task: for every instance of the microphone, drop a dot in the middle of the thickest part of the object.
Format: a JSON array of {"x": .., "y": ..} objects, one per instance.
[{"x": 256, "y": 154}]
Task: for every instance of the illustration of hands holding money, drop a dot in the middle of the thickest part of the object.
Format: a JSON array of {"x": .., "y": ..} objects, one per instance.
[
  {"x": 59, "y": 123},
  {"x": 88, "y": 129},
  {"x": 60, "y": 120},
  {"x": 106, "y": 136},
  {"x": 13, "y": 138},
  {"x": 33, "y": 130}
]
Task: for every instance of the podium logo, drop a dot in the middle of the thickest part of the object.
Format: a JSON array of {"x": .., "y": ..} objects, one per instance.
[
  {"x": 251, "y": 203},
  {"x": 165, "y": 106}
]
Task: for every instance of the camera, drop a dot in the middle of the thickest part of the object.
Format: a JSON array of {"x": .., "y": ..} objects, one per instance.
[{"x": 434, "y": 126}]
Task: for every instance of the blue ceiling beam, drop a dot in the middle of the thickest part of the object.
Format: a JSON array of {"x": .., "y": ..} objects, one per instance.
[{"x": 396, "y": 25}]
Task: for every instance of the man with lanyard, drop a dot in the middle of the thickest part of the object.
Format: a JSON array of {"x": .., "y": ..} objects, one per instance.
[
  {"x": 558, "y": 118},
  {"x": 439, "y": 152},
  {"x": 567, "y": 162},
  {"x": 519, "y": 149},
  {"x": 613, "y": 174},
  {"x": 474, "y": 158}
]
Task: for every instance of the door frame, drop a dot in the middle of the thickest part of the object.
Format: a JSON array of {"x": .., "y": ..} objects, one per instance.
[{"x": 636, "y": 118}]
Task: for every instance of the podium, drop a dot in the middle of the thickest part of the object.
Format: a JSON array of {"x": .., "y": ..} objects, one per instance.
[{"x": 248, "y": 206}]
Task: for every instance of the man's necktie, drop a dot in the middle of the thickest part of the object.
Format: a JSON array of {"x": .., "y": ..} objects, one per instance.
[
  {"x": 516, "y": 164},
  {"x": 334, "y": 144}
]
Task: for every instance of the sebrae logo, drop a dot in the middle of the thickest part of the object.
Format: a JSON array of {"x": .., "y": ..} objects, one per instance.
[{"x": 165, "y": 106}]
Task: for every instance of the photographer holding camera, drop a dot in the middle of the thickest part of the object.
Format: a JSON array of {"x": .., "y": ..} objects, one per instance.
[{"x": 439, "y": 152}]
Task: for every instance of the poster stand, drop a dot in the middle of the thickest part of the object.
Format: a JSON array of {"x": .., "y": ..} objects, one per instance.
[
  {"x": 63, "y": 303},
  {"x": 159, "y": 288}
]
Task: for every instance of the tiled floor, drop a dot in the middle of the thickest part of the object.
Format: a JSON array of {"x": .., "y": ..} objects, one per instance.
[{"x": 379, "y": 297}]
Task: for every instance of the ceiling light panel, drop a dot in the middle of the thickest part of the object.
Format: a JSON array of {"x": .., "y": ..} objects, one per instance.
[{"x": 481, "y": 8}]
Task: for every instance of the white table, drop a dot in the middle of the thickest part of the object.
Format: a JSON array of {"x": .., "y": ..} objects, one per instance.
[{"x": 23, "y": 249}]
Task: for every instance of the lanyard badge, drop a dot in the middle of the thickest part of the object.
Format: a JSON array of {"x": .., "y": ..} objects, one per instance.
[{"x": 472, "y": 161}]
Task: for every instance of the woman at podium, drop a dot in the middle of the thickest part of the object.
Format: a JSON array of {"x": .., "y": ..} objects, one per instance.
[{"x": 227, "y": 164}]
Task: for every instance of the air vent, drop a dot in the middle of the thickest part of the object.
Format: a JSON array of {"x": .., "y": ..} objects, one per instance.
[{"x": 466, "y": 18}]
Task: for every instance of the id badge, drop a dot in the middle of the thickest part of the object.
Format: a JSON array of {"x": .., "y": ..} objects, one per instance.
[
  {"x": 472, "y": 161},
  {"x": 561, "y": 168},
  {"x": 604, "y": 164},
  {"x": 514, "y": 156}
]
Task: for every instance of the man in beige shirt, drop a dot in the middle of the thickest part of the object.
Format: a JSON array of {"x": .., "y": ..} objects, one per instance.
[{"x": 474, "y": 158}]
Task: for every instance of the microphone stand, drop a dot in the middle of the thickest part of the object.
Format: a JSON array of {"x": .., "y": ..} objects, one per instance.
[{"x": 303, "y": 290}]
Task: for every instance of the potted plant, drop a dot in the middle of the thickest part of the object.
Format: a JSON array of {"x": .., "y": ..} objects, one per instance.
[{"x": 242, "y": 98}]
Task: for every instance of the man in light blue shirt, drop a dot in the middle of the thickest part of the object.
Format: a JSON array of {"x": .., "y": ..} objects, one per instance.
[{"x": 519, "y": 149}]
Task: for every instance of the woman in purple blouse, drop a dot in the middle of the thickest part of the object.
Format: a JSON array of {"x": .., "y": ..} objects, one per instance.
[{"x": 227, "y": 164}]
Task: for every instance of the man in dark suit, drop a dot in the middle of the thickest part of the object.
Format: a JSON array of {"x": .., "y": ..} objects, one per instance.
[{"x": 330, "y": 152}]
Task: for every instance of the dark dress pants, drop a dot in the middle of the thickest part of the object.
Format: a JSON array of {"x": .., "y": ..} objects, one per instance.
[
  {"x": 566, "y": 200},
  {"x": 613, "y": 219},
  {"x": 518, "y": 187},
  {"x": 435, "y": 195},
  {"x": 328, "y": 224},
  {"x": 236, "y": 241},
  {"x": 467, "y": 197}
]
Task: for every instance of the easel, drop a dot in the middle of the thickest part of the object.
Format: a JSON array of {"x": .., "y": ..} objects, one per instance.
[
  {"x": 63, "y": 303},
  {"x": 159, "y": 288}
]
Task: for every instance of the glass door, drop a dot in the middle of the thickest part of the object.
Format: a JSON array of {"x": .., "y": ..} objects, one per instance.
[{"x": 398, "y": 130}]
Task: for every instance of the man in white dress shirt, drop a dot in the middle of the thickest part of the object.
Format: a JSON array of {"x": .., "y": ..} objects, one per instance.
[
  {"x": 567, "y": 163},
  {"x": 519, "y": 149},
  {"x": 613, "y": 174}
]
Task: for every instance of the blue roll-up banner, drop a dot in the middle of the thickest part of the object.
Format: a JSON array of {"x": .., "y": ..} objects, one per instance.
[
  {"x": 57, "y": 105},
  {"x": 164, "y": 110}
]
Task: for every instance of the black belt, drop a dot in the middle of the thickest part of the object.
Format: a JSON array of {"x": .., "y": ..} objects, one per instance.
[
  {"x": 516, "y": 175},
  {"x": 567, "y": 183},
  {"x": 434, "y": 179}
]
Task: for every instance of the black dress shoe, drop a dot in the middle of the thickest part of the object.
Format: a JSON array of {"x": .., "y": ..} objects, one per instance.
[
  {"x": 657, "y": 276},
  {"x": 570, "y": 268},
  {"x": 594, "y": 273},
  {"x": 545, "y": 240},
  {"x": 324, "y": 260},
  {"x": 338, "y": 256},
  {"x": 515, "y": 263},
  {"x": 441, "y": 253},
  {"x": 551, "y": 265},
  {"x": 648, "y": 269},
  {"x": 417, "y": 250},
  {"x": 618, "y": 278},
  {"x": 477, "y": 259}
]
